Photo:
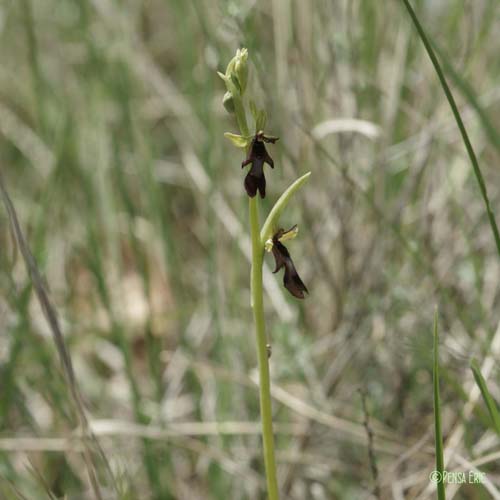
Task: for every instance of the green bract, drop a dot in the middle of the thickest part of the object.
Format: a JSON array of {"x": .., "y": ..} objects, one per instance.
[{"x": 272, "y": 220}]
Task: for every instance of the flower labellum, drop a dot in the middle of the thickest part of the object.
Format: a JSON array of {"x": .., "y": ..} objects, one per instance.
[
  {"x": 291, "y": 278},
  {"x": 257, "y": 156}
]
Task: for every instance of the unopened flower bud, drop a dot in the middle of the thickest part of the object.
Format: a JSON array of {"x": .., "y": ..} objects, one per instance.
[
  {"x": 236, "y": 75},
  {"x": 241, "y": 68},
  {"x": 228, "y": 102}
]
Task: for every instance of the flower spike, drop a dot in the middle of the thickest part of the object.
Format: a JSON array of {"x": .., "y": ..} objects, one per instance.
[{"x": 291, "y": 278}]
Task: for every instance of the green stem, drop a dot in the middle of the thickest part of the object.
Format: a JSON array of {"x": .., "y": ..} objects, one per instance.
[
  {"x": 266, "y": 416},
  {"x": 260, "y": 332}
]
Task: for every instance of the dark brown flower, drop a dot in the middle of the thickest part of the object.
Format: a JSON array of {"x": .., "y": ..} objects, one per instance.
[
  {"x": 291, "y": 278},
  {"x": 257, "y": 156}
]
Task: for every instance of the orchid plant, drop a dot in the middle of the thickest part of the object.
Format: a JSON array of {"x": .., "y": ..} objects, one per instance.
[{"x": 270, "y": 237}]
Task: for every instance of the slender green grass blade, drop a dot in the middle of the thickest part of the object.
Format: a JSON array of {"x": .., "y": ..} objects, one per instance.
[
  {"x": 488, "y": 399},
  {"x": 468, "y": 92},
  {"x": 437, "y": 415},
  {"x": 465, "y": 136}
]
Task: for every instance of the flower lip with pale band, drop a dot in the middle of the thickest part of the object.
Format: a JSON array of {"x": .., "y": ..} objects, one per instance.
[
  {"x": 291, "y": 278},
  {"x": 257, "y": 156}
]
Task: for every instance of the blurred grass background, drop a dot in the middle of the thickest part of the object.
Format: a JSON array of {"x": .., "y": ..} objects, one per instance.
[{"x": 132, "y": 201}]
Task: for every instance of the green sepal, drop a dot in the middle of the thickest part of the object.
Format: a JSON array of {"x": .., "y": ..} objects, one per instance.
[{"x": 240, "y": 141}]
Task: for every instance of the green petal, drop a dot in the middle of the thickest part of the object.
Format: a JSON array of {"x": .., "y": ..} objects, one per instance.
[
  {"x": 253, "y": 109},
  {"x": 260, "y": 121}
]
